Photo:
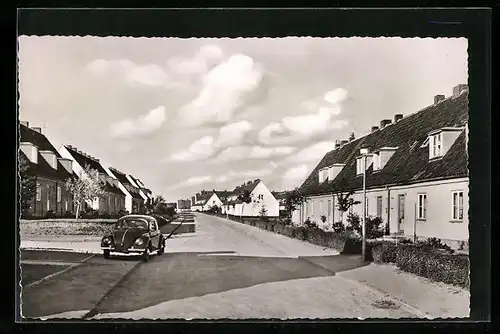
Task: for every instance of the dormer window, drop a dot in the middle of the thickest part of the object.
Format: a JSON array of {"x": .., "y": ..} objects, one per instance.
[
  {"x": 323, "y": 175},
  {"x": 382, "y": 156},
  {"x": 359, "y": 165},
  {"x": 435, "y": 145},
  {"x": 376, "y": 161}
]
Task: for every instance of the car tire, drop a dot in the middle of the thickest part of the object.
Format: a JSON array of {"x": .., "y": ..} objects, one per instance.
[
  {"x": 106, "y": 253},
  {"x": 161, "y": 250},
  {"x": 146, "y": 254}
]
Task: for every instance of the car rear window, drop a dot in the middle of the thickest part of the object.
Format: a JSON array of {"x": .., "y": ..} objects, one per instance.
[{"x": 132, "y": 223}]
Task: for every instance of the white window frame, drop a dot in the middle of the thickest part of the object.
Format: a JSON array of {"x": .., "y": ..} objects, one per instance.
[
  {"x": 359, "y": 166},
  {"x": 381, "y": 206},
  {"x": 261, "y": 196},
  {"x": 58, "y": 194},
  {"x": 422, "y": 206},
  {"x": 48, "y": 202},
  {"x": 457, "y": 209},
  {"x": 436, "y": 145},
  {"x": 65, "y": 205},
  {"x": 376, "y": 161},
  {"x": 312, "y": 208},
  {"x": 38, "y": 192}
]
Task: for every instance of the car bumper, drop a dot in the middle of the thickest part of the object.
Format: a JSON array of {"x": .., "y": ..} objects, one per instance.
[{"x": 128, "y": 250}]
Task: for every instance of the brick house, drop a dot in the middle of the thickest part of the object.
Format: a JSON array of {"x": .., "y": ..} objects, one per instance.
[
  {"x": 51, "y": 171},
  {"x": 114, "y": 199},
  {"x": 134, "y": 202},
  {"x": 416, "y": 174}
]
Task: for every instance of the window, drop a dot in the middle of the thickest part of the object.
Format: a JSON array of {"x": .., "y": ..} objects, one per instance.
[
  {"x": 422, "y": 206},
  {"x": 458, "y": 205},
  {"x": 379, "y": 206},
  {"x": 435, "y": 145},
  {"x": 329, "y": 208},
  {"x": 58, "y": 194},
  {"x": 260, "y": 197},
  {"x": 66, "y": 205},
  {"x": 320, "y": 207},
  {"x": 376, "y": 161},
  {"x": 38, "y": 192},
  {"x": 48, "y": 202},
  {"x": 359, "y": 165},
  {"x": 366, "y": 208},
  {"x": 312, "y": 208}
]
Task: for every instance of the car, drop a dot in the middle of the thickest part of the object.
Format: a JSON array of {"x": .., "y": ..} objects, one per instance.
[{"x": 134, "y": 234}]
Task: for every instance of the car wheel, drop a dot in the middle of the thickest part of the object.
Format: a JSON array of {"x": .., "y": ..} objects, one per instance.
[
  {"x": 161, "y": 250},
  {"x": 146, "y": 254},
  {"x": 106, "y": 253}
]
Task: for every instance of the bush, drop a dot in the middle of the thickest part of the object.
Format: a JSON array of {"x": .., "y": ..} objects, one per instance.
[
  {"x": 382, "y": 252},
  {"x": 49, "y": 214},
  {"x": 338, "y": 227},
  {"x": 373, "y": 226},
  {"x": 316, "y": 236},
  {"x": 278, "y": 228},
  {"x": 300, "y": 233},
  {"x": 436, "y": 244},
  {"x": 434, "y": 264},
  {"x": 289, "y": 231},
  {"x": 310, "y": 225}
]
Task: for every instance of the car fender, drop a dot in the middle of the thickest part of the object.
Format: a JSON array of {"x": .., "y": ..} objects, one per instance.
[{"x": 104, "y": 237}]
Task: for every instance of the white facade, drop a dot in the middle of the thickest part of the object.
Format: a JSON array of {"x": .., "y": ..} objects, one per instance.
[
  {"x": 136, "y": 184},
  {"x": 214, "y": 200},
  {"x": 261, "y": 197},
  {"x": 415, "y": 209},
  {"x": 128, "y": 196}
]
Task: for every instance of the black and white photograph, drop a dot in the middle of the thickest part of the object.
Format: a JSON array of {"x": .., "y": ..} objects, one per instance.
[{"x": 243, "y": 178}]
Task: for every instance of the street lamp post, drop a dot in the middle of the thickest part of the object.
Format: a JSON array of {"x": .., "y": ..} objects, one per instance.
[{"x": 364, "y": 152}]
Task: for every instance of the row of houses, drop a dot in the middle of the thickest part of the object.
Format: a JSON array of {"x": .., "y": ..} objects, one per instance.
[
  {"x": 262, "y": 201},
  {"x": 52, "y": 168},
  {"x": 413, "y": 168}
]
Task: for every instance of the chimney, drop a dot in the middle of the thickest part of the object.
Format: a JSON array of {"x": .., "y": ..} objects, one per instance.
[
  {"x": 351, "y": 137},
  {"x": 384, "y": 123},
  {"x": 438, "y": 98},
  {"x": 398, "y": 117},
  {"x": 337, "y": 144},
  {"x": 69, "y": 146},
  {"x": 457, "y": 90},
  {"x": 25, "y": 123},
  {"x": 374, "y": 128},
  {"x": 343, "y": 142},
  {"x": 30, "y": 150},
  {"x": 79, "y": 151},
  {"x": 37, "y": 129},
  {"x": 50, "y": 157},
  {"x": 67, "y": 164}
]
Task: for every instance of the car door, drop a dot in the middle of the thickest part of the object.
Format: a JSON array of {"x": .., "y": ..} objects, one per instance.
[{"x": 154, "y": 233}]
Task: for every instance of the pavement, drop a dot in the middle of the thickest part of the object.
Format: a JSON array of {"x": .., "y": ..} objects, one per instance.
[{"x": 223, "y": 270}]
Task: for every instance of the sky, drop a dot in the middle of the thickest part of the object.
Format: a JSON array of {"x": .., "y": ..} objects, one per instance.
[{"x": 184, "y": 115}]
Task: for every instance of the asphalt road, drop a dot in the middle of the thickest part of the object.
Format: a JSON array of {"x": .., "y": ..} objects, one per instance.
[{"x": 221, "y": 256}]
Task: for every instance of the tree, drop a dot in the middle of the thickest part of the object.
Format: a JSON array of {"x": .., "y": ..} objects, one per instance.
[
  {"x": 344, "y": 199},
  {"x": 27, "y": 184},
  {"x": 245, "y": 197},
  {"x": 155, "y": 204},
  {"x": 87, "y": 187},
  {"x": 293, "y": 200}
]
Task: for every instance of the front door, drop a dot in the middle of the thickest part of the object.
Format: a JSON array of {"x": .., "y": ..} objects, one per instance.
[{"x": 401, "y": 213}]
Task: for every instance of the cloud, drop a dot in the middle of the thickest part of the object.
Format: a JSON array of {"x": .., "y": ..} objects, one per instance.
[
  {"x": 206, "y": 57},
  {"x": 192, "y": 181},
  {"x": 294, "y": 176},
  {"x": 311, "y": 153},
  {"x": 238, "y": 153},
  {"x": 233, "y": 134},
  {"x": 227, "y": 89},
  {"x": 141, "y": 126},
  {"x": 131, "y": 73},
  {"x": 243, "y": 175},
  {"x": 293, "y": 129},
  {"x": 200, "y": 149}
]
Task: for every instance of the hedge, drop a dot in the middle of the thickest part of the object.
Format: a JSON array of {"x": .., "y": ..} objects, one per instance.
[
  {"x": 382, "y": 252},
  {"x": 434, "y": 264},
  {"x": 278, "y": 228}
]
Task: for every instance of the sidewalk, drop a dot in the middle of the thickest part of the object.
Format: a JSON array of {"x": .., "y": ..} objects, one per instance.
[{"x": 437, "y": 300}]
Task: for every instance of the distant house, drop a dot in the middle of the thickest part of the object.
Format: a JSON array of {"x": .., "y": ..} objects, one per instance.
[
  {"x": 134, "y": 201},
  {"x": 114, "y": 199},
  {"x": 184, "y": 205},
  {"x": 416, "y": 173},
  {"x": 281, "y": 197},
  {"x": 261, "y": 197},
  {"x": 200, "y": 200},
  {"x": 50, "y": 170},
  {"x": 145, "y": 192}
]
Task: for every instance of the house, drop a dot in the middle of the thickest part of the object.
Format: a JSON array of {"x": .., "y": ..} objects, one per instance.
[
  {"x": 134, "y": 202},
  {"x": 416, "y": 174},
  {"x": 145, "y": 193},
  {"x": 212, "y": 200},
  {"x": 51, "y": 171},
  {"x": 114, "y": 199},
  {"x": 281, "y": 197},
  {"x": 184, "y": 205},
  {"x": 261, "y": 197},
  {"x": 200, "y": 199}
]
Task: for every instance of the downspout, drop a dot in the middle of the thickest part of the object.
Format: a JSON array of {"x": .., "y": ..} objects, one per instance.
[{"x": 388, "y": 209}]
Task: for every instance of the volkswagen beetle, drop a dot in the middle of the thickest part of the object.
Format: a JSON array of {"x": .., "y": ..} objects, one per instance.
[{"x": 134, "y": 234}]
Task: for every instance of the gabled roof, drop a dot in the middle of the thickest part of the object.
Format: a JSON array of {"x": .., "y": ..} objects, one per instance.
[
  {"x": 42, "y": 168},
  {"x": 279, "y": 195},
  {"x": 122, "y": 178},
  {"x": 84, "y": 161},
  {"x": 410, "y": 162},
  {"x": 248, "y": 186}
]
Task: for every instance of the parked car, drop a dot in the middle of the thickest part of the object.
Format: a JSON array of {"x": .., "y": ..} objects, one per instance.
[{"x": 134, "y": 234}]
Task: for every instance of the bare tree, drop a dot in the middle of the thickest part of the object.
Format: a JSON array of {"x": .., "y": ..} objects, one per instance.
[
  {"x": 293, "y": 200},
  {"x": 87, "y": 187},
  {"x": 344, "y": 199}
]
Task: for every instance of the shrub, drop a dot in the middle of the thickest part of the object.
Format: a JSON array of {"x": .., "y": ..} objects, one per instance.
[
  {"x": 434, "y": 264},
  {"x": 373, "y": 226},
  {"x": 316, "y": 236},
  {"x": 310, "y": 225},
  {"x": 436, "y": 244},
  {"x": 289, "y": 231},
  {"x": 278, "y": 228},
  {"x": 300, "y": 233},
  {"x": 50, "y": 214},
  {"x": 338, "y": 227},
  {"x": 323, "y": 219},
  {"x": 382, "y": 252}
]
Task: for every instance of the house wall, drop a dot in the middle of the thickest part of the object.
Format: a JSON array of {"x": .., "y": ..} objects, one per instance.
[
  {"x": 48, "y": 191},
  {"x": 253, "y": 209},
  {"x": 438, "y": 223},
  {"x": 213, "y": 201},
  {"x": 111, "y": 203}
]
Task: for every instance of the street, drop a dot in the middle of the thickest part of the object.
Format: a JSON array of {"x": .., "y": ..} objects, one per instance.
[{"x": 223, "y": 270}]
